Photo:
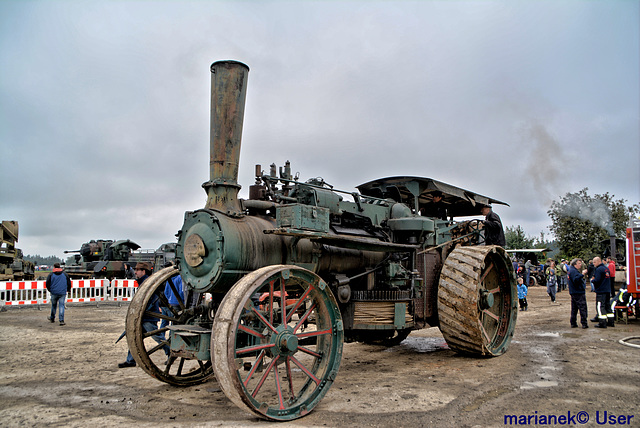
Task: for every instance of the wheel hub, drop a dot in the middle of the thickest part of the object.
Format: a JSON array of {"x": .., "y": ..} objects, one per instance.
[
  {"x": 285, "y": 341},
  {"x": 486, "y": 299}
]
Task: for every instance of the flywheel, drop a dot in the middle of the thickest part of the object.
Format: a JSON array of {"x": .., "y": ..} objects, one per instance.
[{"x": 478, "y": 300}]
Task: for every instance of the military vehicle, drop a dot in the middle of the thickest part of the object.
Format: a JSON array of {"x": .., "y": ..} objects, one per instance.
[
  {"x": 13, "y": 267},
  {"x": 101, "y": 259},
  {"x": 299, "y": 268}
]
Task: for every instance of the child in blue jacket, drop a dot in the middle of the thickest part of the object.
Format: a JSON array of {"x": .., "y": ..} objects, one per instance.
[{"x": 522, "y": 294}]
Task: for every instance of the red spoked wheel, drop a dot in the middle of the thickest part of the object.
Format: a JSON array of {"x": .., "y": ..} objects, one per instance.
[{"x": 277, "y": 342}]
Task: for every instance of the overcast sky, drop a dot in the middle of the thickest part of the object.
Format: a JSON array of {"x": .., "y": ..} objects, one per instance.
[{"x": 104, "y": 106}]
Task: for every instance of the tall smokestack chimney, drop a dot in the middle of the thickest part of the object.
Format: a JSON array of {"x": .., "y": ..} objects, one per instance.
[{"x": 228, "y": 94}]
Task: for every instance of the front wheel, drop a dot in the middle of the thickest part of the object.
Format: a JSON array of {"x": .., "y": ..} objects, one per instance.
[{"x": 277, "y": 342}]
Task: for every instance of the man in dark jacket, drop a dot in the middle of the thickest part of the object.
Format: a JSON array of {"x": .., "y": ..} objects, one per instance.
[
  {"x": 603, "y": 290},
  {"x": 577, "y": 292},
  {"x": 149, "y": 321},
  {"x": 58, "y": 284},
  {"x": 493, "y": 232}
]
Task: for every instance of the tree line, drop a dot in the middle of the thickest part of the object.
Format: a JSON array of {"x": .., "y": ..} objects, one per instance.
[{"x": 580, "y": 223}]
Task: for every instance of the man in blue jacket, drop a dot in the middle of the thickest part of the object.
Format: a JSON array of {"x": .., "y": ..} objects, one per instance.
[
  {"x": 58, "y": 284},
  {"x": 577, "y": 290},
  {"x": 603, "y": 289}
]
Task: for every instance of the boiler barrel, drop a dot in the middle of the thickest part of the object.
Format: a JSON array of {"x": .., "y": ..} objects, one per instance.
[{"x": 216, "y": 250}]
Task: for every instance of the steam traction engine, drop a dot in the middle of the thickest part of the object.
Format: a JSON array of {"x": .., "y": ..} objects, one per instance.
[{"x": 299, "y": 268}]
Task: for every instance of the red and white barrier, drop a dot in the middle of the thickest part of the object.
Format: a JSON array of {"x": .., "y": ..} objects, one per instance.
[
  {"x": 122, "y": 290},
  {"x": 82, "y": 290},
  {"x": 88, "y": 290},
  {"x": 23, "y": 293}
]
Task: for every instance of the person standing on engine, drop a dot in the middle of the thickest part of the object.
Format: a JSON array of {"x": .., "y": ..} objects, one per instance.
[
  {"x": 58, "y": 284},
  {"x": 493, "y": 232},
  {"x": 440, "y": 209},
  {"x": 577, "y": 291},
  {"x": 603, "y": 291}
]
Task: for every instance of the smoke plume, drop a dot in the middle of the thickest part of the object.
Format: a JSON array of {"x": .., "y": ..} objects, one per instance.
[{"x": 594, "y": 211}]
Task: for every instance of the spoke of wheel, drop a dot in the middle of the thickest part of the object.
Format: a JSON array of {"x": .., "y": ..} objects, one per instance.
[
  {"x": 309, "y": 351},
  {"x": 494, "y": 290},
  {"x": 150, "y": 314},
  {"x": 305, "y": 370},
  {"x": 305, "y": 316},
  {"x": 176, "y": 294},
  {"x": 484, "y": 333},
  {"x": 254, "y": 348},
  {"x": 290, "y": 378},
  {"x": 491, "y": 314},
  {"x": 250, "y": 331},
  {"x": 264, "y": 376},
  {"x": 486, "y": 272},
  {"x": 271, "y": 301},
  {"x": 278, "y": 387},
  {"x": 299, "y": 302},
  {"x": 168, "y": 366},
  {"x": 283, "y": 300},
  {"x": 256, "y": 363},
  {"x": 180, "y": 366},
  {"x": 155, "y": 332},
  {"x": 314, "y": 333},
  {"x": 202, "y": 369},
  {"x": 264, "y": 320},
  {"x": 158, "y": 346}
]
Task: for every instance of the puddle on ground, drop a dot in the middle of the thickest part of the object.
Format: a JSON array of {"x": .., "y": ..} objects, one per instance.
[
  {"x": 549, "y": 334},
  {"x": 421, "y": 345},
  {"x": 539, "y": 384}
]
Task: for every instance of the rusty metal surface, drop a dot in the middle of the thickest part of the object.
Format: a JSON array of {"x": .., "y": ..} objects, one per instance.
[{"x": 228, "y": 94}]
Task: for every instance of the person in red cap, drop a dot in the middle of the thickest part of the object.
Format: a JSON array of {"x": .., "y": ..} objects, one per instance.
[{"x": 58, "y": 284}]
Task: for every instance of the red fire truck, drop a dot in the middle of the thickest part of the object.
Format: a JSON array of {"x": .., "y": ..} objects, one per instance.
[{"x": 633, "y": 260}]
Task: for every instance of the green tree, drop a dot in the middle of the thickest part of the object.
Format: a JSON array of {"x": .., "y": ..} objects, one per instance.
[
  {"x": 580, "y": 222},
  {"x": 516, "y": 239}
]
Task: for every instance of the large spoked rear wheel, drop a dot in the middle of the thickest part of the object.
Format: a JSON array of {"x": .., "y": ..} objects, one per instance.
[
  {"x": 478, "y": 300},
  {"x": 149, "y": 342},
  {"x": 277, "y": 342}
]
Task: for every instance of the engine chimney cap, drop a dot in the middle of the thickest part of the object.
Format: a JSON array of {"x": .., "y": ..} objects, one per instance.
[{"x": 228, "y": 62}]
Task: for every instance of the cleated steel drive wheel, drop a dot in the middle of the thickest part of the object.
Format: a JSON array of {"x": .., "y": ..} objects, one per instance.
[
  {"x": 149, "y": 342},
  {"x": 477, "y": 300},
  {"x": 277, "y": 342}
]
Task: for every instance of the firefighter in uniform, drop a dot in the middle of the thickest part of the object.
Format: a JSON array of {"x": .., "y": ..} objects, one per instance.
[{"x": 601, "y": 276}]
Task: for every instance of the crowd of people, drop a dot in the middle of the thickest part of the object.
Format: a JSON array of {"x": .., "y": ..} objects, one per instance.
[{"x": 574, "y": 276}]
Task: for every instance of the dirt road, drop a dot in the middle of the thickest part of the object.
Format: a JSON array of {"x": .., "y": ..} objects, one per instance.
[{"x": 68, "y": 376}]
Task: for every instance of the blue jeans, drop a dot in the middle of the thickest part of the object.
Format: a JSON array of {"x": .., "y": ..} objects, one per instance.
[
  {"x": 59, "y": 300},
  {"x": 159, "y": 338}
]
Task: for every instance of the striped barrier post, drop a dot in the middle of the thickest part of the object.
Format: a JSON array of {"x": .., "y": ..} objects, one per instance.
[
  {"x": 23, "y": 293},
  {"x": 122, "y": 290},
  {"x": 88, "y": 290}
]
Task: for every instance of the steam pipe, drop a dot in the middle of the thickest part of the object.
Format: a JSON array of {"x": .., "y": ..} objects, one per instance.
[{"x": 228, "y": 94}]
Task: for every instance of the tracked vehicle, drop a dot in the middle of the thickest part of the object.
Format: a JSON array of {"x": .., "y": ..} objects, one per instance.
[{"x": 299, "y": 268}]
